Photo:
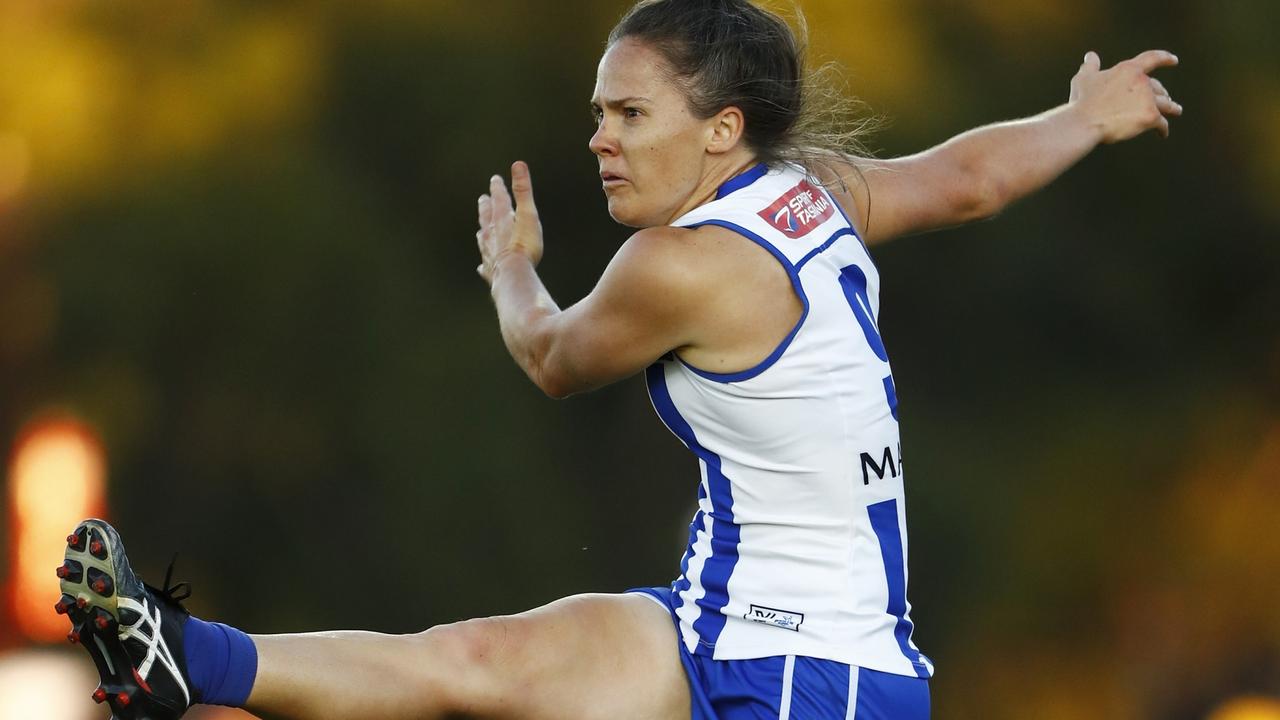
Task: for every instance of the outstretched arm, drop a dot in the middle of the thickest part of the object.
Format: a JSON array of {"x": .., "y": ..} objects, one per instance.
[{"x": 978, "y": 173}]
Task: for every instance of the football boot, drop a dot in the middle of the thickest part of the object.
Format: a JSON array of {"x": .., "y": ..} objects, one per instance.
[{"x": 133, "y": 631}]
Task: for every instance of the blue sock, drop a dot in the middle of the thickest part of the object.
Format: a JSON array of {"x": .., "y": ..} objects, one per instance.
[{"x": 222, "y": 662}]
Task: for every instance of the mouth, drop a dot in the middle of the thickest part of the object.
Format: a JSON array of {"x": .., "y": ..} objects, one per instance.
[{"x": 609, "y": 180}]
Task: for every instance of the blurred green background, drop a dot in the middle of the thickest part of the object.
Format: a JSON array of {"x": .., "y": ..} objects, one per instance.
[{"x": 236, "y": 238}]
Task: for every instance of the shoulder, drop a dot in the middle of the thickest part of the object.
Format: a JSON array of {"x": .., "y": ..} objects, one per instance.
[
  {"x": 683, "y": 276},
  {"x": 658, "y": 245},
  {"x": 676, "y": 259}
]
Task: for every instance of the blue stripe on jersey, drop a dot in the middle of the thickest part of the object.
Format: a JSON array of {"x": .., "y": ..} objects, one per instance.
[
  {"x": 786, "y": 342},
  {"x": 891, "y": 395},
  {"x": 884, "y": 520},
  {"x": 725, "y": 533},
  {"x": 741, "y": 180},
  {"x": 853, "y": 282},
  {"x": 834, "y": 236},
  {"x": 683, "y": 583}
]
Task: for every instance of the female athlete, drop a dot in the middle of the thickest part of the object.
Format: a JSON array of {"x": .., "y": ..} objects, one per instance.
[{"x": 749, "y": 300}]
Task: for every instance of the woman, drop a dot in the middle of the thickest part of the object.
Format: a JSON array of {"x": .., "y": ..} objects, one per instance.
[{"x": 750, "y": 301}]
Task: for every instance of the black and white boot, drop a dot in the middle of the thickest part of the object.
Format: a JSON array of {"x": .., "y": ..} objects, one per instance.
[{"x": 132, "y": 631}]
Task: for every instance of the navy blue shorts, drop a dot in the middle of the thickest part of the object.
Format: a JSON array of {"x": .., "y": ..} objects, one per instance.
[{"x": 789, "y": 686}]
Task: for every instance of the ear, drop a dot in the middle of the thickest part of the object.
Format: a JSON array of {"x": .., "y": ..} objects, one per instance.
[{"x": 726, "y": 129}]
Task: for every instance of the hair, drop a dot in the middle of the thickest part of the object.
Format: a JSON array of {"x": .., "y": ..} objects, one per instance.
[{"x": 726, "y": 53}]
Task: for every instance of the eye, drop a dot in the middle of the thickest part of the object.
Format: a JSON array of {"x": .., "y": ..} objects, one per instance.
[
  {"x": 596, "y": 114},
  {"x": 631, "y": 112}
]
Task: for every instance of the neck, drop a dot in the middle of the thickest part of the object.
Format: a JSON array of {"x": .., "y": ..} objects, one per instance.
[{"x": 719, "y": 170}]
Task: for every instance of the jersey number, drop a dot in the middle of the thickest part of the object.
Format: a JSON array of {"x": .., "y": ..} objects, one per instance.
[{"x": 854, "y": 283}]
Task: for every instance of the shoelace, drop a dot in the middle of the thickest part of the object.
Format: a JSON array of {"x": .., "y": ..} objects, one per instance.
[{"x": 174, "y": 593}]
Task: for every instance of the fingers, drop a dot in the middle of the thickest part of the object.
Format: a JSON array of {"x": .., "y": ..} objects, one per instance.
[
  {"x": 522, "y": 188},
  {"x": 501, "y": 199},
  {"x": 1092, "y": 62},
  {"x": 1153, "y": 59},
  {"x": 1166, "y": 104},
  {"x": 504, "y": 227},
  {"x": 484, "y": 208}
]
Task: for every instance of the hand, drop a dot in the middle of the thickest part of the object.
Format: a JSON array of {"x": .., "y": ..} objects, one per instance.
[
  {"x": 1125, "y": 101},
  {"x": 504, "y": 229}
]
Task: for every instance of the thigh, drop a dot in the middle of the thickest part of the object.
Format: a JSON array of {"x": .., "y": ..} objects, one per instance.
[{"x": 587, "y": 657}]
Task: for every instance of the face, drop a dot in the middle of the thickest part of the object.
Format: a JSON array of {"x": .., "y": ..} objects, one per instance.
[{"x": 650, "y": 148}]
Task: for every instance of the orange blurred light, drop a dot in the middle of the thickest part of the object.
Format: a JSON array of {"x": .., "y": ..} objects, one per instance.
[
  {"x": 56, "y": 478},
  {"x": 1248, "y": 708},
  {"x": 43, "y": 685}
]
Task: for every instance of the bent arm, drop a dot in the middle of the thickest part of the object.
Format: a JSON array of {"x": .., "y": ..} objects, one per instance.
[
  {"x": 644, "y": 305},
  {"x": 638, "y": 311},
  {"x": 977, "y": 174}
]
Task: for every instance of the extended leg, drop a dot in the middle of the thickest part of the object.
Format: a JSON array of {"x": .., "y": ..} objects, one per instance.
[
  {"x": 589, "y": 656},
  {"x": 612, "y": 657}
]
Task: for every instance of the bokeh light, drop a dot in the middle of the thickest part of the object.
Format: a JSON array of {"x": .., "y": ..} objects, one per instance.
[
  {"x": 1248, "y": 708},
  {"x": 56, "y": 479},
  {"x": 43, "y": 685}
]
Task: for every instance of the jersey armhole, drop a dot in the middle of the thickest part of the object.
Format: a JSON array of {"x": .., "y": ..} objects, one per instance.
[{"x": 792, "y": 272}]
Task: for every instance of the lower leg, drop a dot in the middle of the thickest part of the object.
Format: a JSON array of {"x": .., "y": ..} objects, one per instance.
[{"x": 351, "y": 674}]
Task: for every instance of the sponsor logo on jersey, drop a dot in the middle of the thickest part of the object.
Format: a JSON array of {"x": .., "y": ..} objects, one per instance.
[
  {"x": 799, "y": 210},
  {"x": 785, "y": 619}
]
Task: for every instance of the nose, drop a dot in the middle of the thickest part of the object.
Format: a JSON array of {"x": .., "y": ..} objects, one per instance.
[{"x": 602, "y": 142}]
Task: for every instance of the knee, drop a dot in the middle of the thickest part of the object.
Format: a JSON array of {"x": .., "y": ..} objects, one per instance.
[
  {"x": 476, "y": 644},
  {"x": 473, "y": 664}
]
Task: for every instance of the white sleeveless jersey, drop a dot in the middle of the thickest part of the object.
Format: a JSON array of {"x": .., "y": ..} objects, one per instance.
[{"x": 799, "y": 544}]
